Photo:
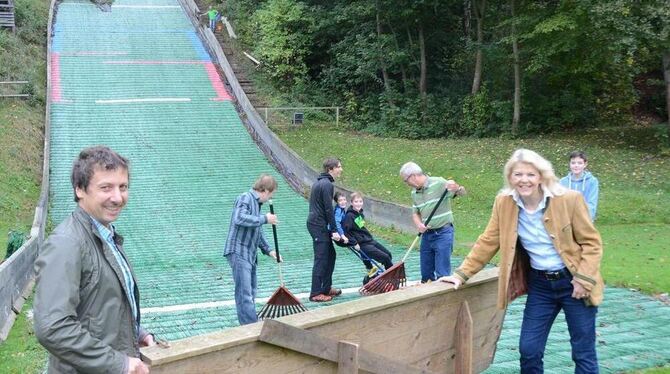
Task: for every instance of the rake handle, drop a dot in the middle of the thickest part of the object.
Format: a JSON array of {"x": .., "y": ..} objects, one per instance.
[
  {"x": 430, "y": 216},
  {"x": 276, "y": 242}
]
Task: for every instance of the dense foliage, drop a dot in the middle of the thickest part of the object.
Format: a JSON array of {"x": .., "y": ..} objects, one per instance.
[{"x": 424, "y": 68}]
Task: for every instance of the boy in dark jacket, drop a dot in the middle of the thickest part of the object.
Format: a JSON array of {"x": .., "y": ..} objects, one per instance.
[{"x": 359, "y": 236}]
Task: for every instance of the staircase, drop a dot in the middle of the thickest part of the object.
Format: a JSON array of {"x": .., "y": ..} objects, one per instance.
[
  {"x": 240, "y": 65},
  {"x": 7, "y": 15}
]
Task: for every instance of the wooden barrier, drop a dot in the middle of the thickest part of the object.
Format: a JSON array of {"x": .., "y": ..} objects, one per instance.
[
  {"x": 16, "y": 275},
  {"x": 428, "y": 328}
]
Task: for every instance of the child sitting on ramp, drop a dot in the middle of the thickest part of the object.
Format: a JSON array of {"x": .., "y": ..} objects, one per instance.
[{"x": 359, "y": 236}]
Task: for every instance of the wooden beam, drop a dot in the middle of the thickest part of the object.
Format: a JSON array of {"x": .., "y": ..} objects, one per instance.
[
  {"x": 463, "y": 340},
  {"x": 347, "y": 362},
  {"x": 309, "y": 343}
]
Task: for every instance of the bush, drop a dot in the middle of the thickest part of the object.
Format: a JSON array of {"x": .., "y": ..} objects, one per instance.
[{"x": 14, "y": 242}]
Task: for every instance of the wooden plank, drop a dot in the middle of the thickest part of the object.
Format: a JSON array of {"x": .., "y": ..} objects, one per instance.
[
  {"x": 463, "y": 340},
  {"x": 414, "y": 321},
  {"x": 293, "y": 338},
  {"x": 347, "y": 361}
]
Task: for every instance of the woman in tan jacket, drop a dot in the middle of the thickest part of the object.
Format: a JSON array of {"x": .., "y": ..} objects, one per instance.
[{"x": 549, "y": 249}]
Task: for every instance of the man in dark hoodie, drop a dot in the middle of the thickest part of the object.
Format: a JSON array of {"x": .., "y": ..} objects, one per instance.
[{"x": 323, "y": 230}]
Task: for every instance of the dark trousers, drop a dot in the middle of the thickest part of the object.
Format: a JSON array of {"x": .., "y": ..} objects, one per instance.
[
  {"x": 324, "y": 260},
  {"x": 377, "y": 252},
  {"x": 546, "y": 298}
]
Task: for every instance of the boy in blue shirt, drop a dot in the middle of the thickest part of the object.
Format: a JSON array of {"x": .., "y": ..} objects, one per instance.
[{"x": 579, "y": 179}]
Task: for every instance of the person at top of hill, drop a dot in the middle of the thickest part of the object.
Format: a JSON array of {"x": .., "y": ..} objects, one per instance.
[
  {"x": 213, "y": 15},
  {"x": 580, "y": 179}
]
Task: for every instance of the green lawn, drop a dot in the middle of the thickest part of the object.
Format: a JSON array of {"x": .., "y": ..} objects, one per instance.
[
  {"x": 634, "y": 185},
  {"x": 20, "y": 167},
  {"x": 21, "y": 353}
]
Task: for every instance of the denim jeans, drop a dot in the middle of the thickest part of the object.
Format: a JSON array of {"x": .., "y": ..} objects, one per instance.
[
  {"x": 545, "y": 299},
  {"x": 244, "y": 276},
  {"x": 436, "y": 248}
]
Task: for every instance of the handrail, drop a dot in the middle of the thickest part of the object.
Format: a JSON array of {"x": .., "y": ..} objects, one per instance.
[{"x": 7, "y": 83}]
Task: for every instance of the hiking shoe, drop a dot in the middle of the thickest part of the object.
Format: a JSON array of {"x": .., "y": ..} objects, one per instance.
[
  {"x": 320, "y": 298},
  {"x": 334, "y": 292}
]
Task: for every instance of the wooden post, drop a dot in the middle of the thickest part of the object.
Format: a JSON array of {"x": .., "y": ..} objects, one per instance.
[
  {"x": 347, "y": 362},
  {"x": 337, "y": 116},
  {"x": 463, "y": 340},
  {"x": 309, "y": 343}
]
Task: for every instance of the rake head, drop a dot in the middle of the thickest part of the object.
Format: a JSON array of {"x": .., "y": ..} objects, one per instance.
[
  {"x": 281, "y": 303},
  {"x": 390, "y": 280}
]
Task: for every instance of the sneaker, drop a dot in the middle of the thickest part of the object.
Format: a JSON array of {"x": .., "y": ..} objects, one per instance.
[
  {"x": 320, "y": 298},
  {"x": 334, "y": 292}
]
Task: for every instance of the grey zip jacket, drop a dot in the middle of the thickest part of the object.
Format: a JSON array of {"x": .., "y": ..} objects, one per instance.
[{"x": 82, "y": 314}]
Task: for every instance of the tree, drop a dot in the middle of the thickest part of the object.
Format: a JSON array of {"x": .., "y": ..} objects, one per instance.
[
  {"x": 479, "y": 7},
  {"x": 284, "y": 37},
  {"x": 516, "y": 117}
]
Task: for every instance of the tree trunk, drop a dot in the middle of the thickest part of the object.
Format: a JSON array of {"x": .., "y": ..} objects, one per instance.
[
  {"x": 423, "y": 89},
  {"x": 467, "y": 5},
  {"x": 666, "y": 76},
  {"x": 385, "y": 76},
  {"x": 422, "y": 50},
  {"x": 403, "y": 73},
  {"x": 517, "y": 75},
  {"x": 479, "y": 16}
]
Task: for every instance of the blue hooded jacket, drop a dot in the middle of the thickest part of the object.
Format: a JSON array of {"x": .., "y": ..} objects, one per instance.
[{"x": 588, "y": 186}]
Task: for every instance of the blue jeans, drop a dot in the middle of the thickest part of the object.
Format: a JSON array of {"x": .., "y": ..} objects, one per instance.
[
  {"x": 244, "y": 276},
  {"x": 436, "y": 248},
  {"x": 545, "y": 299}
]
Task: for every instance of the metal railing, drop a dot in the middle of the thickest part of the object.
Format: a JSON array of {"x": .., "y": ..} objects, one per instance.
[
  {"x": 12, "y": 83},
  {"x": 336, "y": 108}
]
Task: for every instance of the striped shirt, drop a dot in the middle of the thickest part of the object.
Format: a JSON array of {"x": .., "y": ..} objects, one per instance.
[
  {"x": 129, "y": 282},
  {"x": 245, "y": 233},
  {"x": 425, "y": 199}
]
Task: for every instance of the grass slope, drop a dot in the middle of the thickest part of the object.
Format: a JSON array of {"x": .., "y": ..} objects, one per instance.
[{"x": 22, "y": 121}]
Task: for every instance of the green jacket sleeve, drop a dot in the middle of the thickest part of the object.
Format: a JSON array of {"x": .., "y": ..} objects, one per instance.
[{"x": 57, "y": 325}]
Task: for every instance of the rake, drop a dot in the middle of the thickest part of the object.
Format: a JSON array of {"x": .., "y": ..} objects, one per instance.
[
  {"x": 394, "y": 277},
  {"x": 282, "y": 302}
]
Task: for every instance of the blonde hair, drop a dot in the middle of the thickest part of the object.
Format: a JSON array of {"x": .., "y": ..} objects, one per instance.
[
  {"x": 355, "y": 195},
  {"x": 548, "y": 179},
  {"x": 265, "y": 182}
]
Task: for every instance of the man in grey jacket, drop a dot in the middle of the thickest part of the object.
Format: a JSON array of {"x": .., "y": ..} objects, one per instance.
[{"x": 87, "y": 300}]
